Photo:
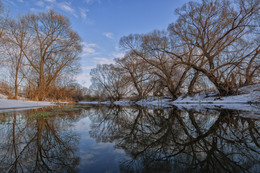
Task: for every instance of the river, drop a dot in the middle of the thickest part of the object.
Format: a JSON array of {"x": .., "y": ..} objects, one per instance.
[{"x": 93, "y": 138}]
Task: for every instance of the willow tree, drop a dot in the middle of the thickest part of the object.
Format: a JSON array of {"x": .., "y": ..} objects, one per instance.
[
  {"x": 153, "y": 48},
  {"x": 138, "y": 73},
  {"x": 3, "y": 19},
  {"x": 108, "y": 80},
  {"x": 3, "y": 26},
  {"x": 16, "y": 40},
  {"x": 222, "y": 33},
  {"x": 55, "y": 49}
]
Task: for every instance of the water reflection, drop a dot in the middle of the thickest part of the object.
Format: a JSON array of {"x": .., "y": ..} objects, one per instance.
[
  {"x": 177, "y": 141},
  {"x": 36, "y": 144},
  {"x": 83, "y": 138}
]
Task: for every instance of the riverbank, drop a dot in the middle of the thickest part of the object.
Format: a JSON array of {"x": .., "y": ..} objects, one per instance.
[
  {"x": 247, "y": 99},
  {"x": 10, "y": 104},
  {"x": 247, "y": 96}
]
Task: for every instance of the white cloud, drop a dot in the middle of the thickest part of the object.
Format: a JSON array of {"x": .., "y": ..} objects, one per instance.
[
  {"x": 92, "y": 1},
  {"x": 51, "y": 1},
  {"x": 65, "y": 6},
  {"x": 83, "y": 13},
  {"x": 40, "y": 3},
  {"x": 118, "y": 55},
  {"x": 103, "y": 60},
  {"x": 88, "y": 67},
  {"x": 84, "y": 79},
  {"x": 11, "y": 2},
  {"x": 34, "y": 10},
  {"x": 48, "y": 7},
  {"x": 20, "y": 0},
  {"x": 89, "y": 49},
  {"x": 108, "y": 35}
]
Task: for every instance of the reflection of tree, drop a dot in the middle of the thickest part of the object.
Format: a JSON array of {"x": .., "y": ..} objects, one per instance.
[
  {"x": 38, "y": 144},
  {"x": 181, "y": 141}
]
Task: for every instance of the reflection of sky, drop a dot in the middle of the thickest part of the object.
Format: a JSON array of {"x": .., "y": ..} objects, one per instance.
[
  {"x": 226, "y": 142},
  {"x": 96, "y": 157}
]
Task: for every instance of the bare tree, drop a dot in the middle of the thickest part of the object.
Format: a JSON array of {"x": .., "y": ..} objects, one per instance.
[
  {"x": 139, "y": 74},
  {"x": 3, "y": 26},
  {"x": 252, "y": 68},
  {"x": 219, "y": 30},
  {"x": 17, "y": 40},
  {"x": 109, "y": 78},
  {"x": 3, "y": 19},
  {"x": 214, "y": 44},
  {"x": 153, "y": 48},
  {"x": 55, "y": 49}
]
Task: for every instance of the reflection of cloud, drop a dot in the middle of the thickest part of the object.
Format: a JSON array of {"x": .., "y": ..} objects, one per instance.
[
  {"x": 82, "y": 126},
  {"x": 109, "y": 35},
  {"x": 87, "y": 158},
  {"x": 103, "y": 145},
  {"x": 120, "y": 151}
]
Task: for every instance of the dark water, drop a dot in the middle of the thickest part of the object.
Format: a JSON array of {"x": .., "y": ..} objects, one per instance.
[{"x": 84, "y": 138}]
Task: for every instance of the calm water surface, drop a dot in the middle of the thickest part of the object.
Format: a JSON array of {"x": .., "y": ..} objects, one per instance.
[{"x": 84, "y": 138}]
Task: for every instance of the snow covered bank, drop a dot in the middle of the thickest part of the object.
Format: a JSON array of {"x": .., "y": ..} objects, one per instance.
[
  {"x": 95, "y": 102},
  {"x": 155, "y": 102},
  {"x": 124, "y": 103},
  {"x": 8, "y": 104},
  {"x": 243, "y": 110},
  {"x": 247, "y": 94},
  {"x": 253, "y": 97},
  {"x": 85, "y": 102},
  {"x": 248, "y": 99},
  {"x": 198, "y": 99},
  {"x": 119, "y": 103}
]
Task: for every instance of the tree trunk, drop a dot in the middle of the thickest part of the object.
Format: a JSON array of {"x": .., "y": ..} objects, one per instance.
[
  {"x": 192, "y": 83},
  {"x": 15, "y": 90},
  {"x": 41, "y": 84}
]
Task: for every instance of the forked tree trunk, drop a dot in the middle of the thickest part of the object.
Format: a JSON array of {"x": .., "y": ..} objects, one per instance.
[{"x": 192, "y": 83}]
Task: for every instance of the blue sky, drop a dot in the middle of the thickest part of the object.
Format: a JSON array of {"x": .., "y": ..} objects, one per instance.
[{"x": 101, "y": 23}]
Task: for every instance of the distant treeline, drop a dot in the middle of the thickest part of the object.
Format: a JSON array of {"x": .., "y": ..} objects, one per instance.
[
  {"x": 40, "y": 52},
  {"x": 213, "y": 45}
]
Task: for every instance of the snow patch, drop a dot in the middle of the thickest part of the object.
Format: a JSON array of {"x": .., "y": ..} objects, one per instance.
[
  {"x": 155, "y": 102},
  {"x": 253, "y": 97},
  {"x": 84, "y": 102},
  {"x": 7, "y": 104},
  {"x": 245, "y": 110},
  {"x": 3, "y": 96},
  {"x": 124, "y": 103},
  {"x": 248, "y": 89},
  {"x": 106, "y": 103}
]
